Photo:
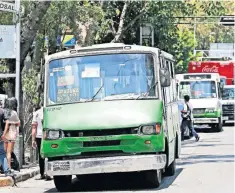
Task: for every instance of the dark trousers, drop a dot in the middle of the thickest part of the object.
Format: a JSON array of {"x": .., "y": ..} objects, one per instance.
[
  {"x": 41, "y": 160},
  {"x": 189, "y": 124}
]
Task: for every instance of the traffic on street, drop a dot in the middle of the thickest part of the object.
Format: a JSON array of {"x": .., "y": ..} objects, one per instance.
[
  {"x": 117, "y": 96},
  {"x": 205, "y": 166}
]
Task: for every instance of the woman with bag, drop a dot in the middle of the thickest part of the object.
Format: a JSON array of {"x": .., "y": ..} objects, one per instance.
[{"x": 11, "y": 130}]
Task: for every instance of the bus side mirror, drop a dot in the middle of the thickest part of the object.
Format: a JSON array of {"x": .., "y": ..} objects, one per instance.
[
  {"x": 40, "y": 82},
  {"x": 165, "y": 77}
]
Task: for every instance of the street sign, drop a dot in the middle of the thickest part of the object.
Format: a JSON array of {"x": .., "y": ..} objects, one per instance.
[
  {"x": 68, "y": 40},
  {"x": 228, "y": 20},
  {"x": 7, "y": 41},
  {"x": 9, "y": 7}
]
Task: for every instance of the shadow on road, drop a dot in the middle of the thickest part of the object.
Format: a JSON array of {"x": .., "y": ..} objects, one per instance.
[
  {"x": 208, "y": 145},
  {"x": 229, "y": 125},
  {"x": 211, "y": 130},
  {"x": 117, "y": 182},
  {"x": 196, "y": 159}
]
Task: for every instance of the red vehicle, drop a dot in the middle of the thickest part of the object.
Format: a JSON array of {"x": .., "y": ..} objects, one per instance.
[{"x": 223, "y": 68}]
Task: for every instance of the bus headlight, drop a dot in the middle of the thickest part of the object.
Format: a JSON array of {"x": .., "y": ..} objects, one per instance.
[
  {"x": 53, "y": 134},
  {"x": 210, "y": 110},
  {"x": 151, "y": 129}
]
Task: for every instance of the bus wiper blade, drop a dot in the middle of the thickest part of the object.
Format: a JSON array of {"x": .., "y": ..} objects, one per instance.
[
  {"x": 146, "y": 94},
  {"x": 89, "y": 100}
]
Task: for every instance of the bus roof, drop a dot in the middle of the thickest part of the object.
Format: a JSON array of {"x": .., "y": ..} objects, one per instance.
[{"x": 111, "y": 47}]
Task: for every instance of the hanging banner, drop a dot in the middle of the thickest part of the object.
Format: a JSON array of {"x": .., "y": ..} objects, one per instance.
[
  {"x": 7, "y": 41},
  {"x": 9, "y": 7}
]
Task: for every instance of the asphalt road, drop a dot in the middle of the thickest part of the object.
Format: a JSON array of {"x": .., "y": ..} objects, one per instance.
[{"x": 206, "y": 166}]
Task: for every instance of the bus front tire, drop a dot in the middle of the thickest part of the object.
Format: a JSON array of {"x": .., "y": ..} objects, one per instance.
[
  {"x": 154, "y": 178},
  {"x": 63, "y": 183},
  {"x": 219, "y": 126},
  {"x": 224, "y": 123},
  {"x": 170, "y": 170}
]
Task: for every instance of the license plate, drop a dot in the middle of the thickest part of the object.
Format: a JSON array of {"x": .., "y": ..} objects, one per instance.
[
  {"x": 225, "y": 118},
  {"x": 64, "y": 166},
  {"x": 200, "y": 121}
]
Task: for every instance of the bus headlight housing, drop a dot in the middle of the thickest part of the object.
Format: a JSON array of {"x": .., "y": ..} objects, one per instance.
[
  {"x": 53, "y": 134},
  {"x": 151, "y": 129}
]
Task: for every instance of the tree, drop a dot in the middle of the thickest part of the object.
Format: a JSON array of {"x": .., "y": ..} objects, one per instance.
[
  {"x": 184, "y": 49},
  {"x": 31, "y": 25}
]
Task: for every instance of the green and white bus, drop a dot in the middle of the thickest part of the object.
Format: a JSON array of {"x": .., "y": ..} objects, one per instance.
[
  {"x": 204, "y": 90},
  {"x": 110, "y": 108}
]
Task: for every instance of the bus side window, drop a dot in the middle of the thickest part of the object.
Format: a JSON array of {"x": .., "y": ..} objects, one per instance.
[
  {"x": 219, "y": 90},
  {"x": 170, "y": 89},
  {"x": 173, "y": 82},
  {"x": 165, "y": 102},
  {"x": 172, "y": 70}
]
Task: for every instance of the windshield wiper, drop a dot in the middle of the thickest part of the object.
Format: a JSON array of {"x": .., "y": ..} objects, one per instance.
[
  {"x": 92, "y": 98},
  {"x": 146, "y": 94}
]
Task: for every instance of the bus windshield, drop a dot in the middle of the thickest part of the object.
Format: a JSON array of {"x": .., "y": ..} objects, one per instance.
[
  {"x": 198, "y": 89},
  {"x": 228, "y": 94},
  {"x": 79, "y": 79}
]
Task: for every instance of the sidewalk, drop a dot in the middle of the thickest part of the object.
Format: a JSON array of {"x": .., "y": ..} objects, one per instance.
[{"x": 23, "y": 175}]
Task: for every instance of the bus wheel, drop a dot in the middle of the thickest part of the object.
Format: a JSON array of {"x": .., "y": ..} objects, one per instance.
[
  {"x": 154, "y": 178},
  {"x": 63, "y": 183},
  {"x": 170, "y": 170},
  {"x": 219, "y": 126}
]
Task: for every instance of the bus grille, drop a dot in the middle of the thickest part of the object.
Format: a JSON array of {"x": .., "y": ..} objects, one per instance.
[
  {"x": 197, "y": 111},
  {"x": 104, "y": 132},
  {"x": 228, "y": 109}
]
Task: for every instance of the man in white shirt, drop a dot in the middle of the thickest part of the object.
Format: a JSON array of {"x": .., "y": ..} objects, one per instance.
[
  {"x": 37, "y": 127},
  {"x": 187, "y": 118}
]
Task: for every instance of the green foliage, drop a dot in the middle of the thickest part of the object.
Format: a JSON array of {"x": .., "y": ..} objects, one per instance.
[
  {"x": 101, "y": 20},
  {"x": 29, "y": 81},
  {"x": 3, "y": 66},
  {"x": 6, "y": 18},
  {"x": 184, "y": 49},
  {"x": 64, "y": 15}
]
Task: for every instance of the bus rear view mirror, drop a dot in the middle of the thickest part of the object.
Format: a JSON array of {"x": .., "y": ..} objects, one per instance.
[
  {"x": 40, "y": 81},
  {"x": 165, "y": 77}
]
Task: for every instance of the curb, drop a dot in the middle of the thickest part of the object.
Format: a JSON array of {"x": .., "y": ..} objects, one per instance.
[{"x": 8, "y": 181}]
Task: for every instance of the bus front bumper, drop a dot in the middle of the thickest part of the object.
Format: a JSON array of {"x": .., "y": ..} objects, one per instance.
[{"x": 105, "y": 165}]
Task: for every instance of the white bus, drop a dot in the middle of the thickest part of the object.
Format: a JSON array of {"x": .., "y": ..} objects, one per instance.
[
  {"x": 228, "y": 103},
  {"x": 204, "y": 90}
]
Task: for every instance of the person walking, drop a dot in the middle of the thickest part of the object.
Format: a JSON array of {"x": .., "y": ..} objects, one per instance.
[
  {"x": 3, "y": 158},
  {"x": 11, "y": 130},
  {"x": 37, "y": 127},
  {"x": 187, "y": 117}
]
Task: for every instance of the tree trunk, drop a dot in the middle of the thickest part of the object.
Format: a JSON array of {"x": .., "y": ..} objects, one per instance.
[
  {"x": 30, "y": 28},
  {"x": 121, "y": 23},
  {"x": 28, "y": 33}
]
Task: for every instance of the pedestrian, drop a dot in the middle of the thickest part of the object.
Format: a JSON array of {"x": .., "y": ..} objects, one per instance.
[
  {"x": 3, "y": 158},
  {"x": 11, "y": 130},
  {"x": 187, "y": 117},
  {"x": 37, "y": 126}
]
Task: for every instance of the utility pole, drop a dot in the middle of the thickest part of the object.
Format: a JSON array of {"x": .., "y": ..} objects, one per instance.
[
  {"x": 20, "y": 140},
  {"x": 194, "y": 34},
  {"x": 17, "y": 46}
]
